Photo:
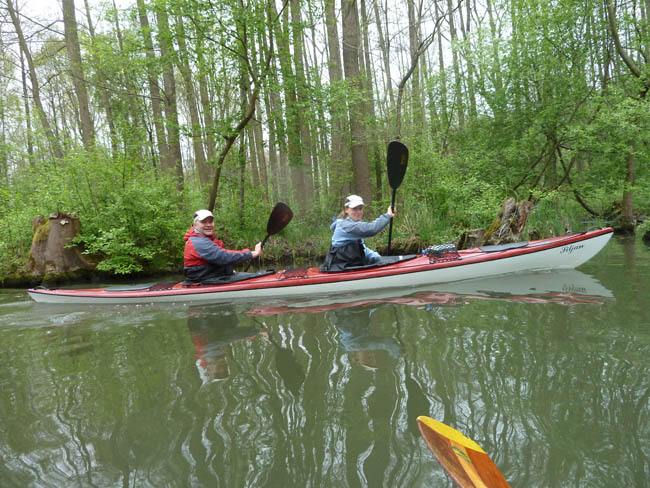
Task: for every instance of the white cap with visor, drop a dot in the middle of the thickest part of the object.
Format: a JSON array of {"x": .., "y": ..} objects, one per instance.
[{"x": 201, "y": 215}]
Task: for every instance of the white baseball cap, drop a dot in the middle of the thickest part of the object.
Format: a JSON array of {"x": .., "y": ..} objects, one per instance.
[
  {"x": 201, "y": 215},
  {"x": 354, "y": 201}
]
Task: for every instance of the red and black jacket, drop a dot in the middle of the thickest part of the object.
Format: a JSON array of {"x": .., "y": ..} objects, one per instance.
[{"x": 206, "y": 259}]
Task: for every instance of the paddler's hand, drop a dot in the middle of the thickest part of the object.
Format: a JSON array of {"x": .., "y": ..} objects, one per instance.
[
  {"x": 258, "y": 250},
  {"x": 391, "y": 213}
]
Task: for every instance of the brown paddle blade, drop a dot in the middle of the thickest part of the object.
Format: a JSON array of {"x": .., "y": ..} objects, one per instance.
[
  {"x": 280, "y": 216},
  {"x": 462, "y": 458}
]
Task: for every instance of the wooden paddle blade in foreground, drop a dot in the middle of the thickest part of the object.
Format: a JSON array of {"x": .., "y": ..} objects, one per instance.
[{"x": 462, "y": 458}]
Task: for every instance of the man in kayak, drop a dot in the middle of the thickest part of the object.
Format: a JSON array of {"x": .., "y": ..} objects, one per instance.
[
  {"x": 205, "y": 258},
  {"x": 348, "y": 249}
]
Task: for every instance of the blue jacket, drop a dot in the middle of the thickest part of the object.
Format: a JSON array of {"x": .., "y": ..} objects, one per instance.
[{"x": 347, "y": 230}]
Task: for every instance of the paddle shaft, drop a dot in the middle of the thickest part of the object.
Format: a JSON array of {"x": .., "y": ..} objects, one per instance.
[
  {"x": 251, "y": 261},
  {"x": 390, "y": 226}
]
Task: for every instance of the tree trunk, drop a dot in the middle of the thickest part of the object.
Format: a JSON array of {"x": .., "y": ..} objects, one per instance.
[
  {"x": 77, "y": 74},
  {"x": 208, "y": 118},
  {"x": 374, "y": 150},
  {"x": 154, "y": 89},
  {"x": 465, "y": 29},
  {"x": 384, "y": 46},
  {"x": 292, "y": 113},
  {"x": 351, "y": 62},
  {"x": 167, "y": 57},
  {"x": 340, "y": 173},
  {"x": 132, "y": 138},
  {"x": 102, "y": 86},
  {"x": 458, "y": 82},
  {"x": 303, "y": 115},
  {"x": 415, "y": 103},
  {"x": 190, "y": 99},
  {"x": 259, "y": 149},
  {"x": 28, "y": 116},
  {"x": 54, "y": 145},
  {"x": 443, "y": 79}
]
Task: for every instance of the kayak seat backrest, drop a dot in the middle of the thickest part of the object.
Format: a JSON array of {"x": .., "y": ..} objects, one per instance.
[
  {"x": 504, "y": 247},
  {"x": 383, "y": 261}
]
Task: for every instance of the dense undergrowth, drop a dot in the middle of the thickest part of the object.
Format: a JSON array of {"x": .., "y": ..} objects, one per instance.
[{"x": 133, "y": 220}]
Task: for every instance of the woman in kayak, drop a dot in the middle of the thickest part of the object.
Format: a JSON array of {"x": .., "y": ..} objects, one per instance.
[
  {"x": 205, "y": 257},
  {"x": 348, "y": 249}
]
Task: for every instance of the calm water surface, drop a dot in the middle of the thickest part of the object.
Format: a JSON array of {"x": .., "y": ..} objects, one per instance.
[{"x": 548, "y": 372}]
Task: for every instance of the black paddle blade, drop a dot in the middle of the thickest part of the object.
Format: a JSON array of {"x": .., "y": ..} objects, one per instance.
[
  {"x": 397, "y": 158},
  {"x": 280, "y": 216}
]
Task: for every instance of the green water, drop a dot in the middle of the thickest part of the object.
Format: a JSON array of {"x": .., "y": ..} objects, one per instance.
[{"x": 548, "y": 372}]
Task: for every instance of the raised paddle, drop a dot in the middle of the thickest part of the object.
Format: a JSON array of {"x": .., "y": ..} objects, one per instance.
[
  {"x": 280, "y": 216},
  {"x": 397, "y": 157},
  {"x": 462, "y": 458}
]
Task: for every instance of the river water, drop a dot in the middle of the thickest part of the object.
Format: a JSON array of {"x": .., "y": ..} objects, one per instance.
[{"x": 548, "y": 372}]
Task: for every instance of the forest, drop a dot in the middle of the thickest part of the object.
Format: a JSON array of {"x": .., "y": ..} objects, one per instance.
[{"x": 130, "y": 115}]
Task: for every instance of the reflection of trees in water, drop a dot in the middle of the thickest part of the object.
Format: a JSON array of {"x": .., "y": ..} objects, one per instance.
[
  {"x": 519, "y": 391},
  {"x": 556, "y": 395}
]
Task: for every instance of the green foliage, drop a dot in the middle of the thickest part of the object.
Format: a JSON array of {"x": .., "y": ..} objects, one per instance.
[{"x": 131, "y": 219}]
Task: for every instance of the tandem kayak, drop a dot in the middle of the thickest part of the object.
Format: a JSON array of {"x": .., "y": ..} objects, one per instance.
[{"x": 567, "y": 251}]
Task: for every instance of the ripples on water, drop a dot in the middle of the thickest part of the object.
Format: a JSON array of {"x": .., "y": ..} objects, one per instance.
[{"x": 549, "y": 373}]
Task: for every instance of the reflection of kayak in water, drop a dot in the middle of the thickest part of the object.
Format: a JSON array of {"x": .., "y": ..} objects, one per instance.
[
  {"x": 561, "y": 252},
  {"x": 565, "y": 287}
]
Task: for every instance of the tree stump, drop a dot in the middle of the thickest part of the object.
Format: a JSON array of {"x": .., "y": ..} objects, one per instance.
[
  {"x": 508, "y": 226},
  {"x": 49, "y": 257}
]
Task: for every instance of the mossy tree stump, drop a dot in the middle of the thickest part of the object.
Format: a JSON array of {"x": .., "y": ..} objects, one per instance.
[
  {"x": 49, "y": 257},
  {"x": 508, "y": 226}
]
